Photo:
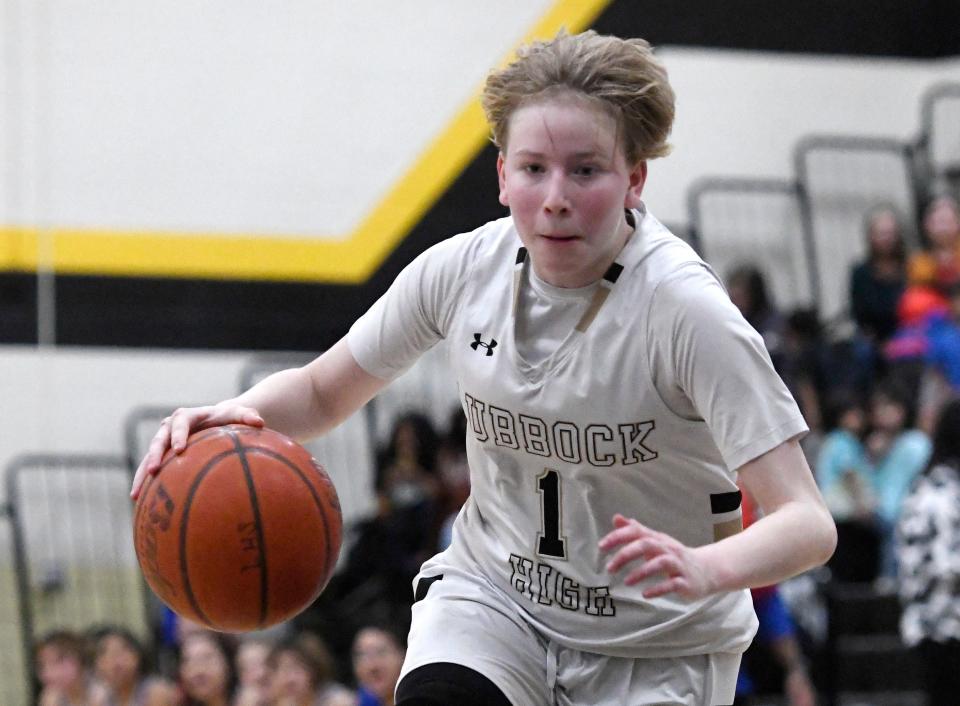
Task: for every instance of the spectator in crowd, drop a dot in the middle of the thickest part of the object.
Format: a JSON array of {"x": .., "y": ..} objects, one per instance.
[
  {"x": 391, "y": 546},
  {"x": 748, "y": 291},
  {"x": 928, "y": 535},
  {"x": 932, "y": 274},
  {"x": 121, "y": 665},
  {"x": 806, "y": 366},
  {"x": 793, "y": 341},
  {"x": 62, "y": 664},
  {"x": 407, "y": 469},
  {"x": 845, "y": 476},
  {"x": 207, "y": 674},
  {"x": 898, "y": 453},
  {"x": 253, "y": 675},
  {"x": 842, "y": 469},
  {"x": 378, "y": 652},
  {"x": 942, "y": 374},
  {"x": 937, "y": 266},
  {"x": 301, "y": 674},
  {"x": 877, "y": 283}
]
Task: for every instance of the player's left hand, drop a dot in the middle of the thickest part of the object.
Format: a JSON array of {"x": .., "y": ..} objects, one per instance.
[{"x": 658, "y": 553}]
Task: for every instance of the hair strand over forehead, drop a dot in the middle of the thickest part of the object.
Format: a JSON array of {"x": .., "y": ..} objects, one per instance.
[{"x": 621, "y": 75}]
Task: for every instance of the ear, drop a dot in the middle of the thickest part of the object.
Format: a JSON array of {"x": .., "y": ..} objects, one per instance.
[
  {"x": 638, "y": 177},
  {"x": 504, "y": 199}
]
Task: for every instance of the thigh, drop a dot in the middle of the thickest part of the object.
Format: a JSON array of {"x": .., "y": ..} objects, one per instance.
[
  {"x": 462, "y": 620},
  {"x": 599, "y": 680}
]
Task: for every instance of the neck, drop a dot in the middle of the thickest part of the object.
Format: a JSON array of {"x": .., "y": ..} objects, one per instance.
[
  {"x": 77, "y": 693},
  {"x": 124, "y": 692}
]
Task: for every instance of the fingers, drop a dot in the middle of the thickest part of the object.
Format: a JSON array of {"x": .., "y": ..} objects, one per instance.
[
  {"x": 638, "y": 549},
  {"x": 663, "y": 564},
  {"x": 151, "y": 460},
  {"x": 177, "y": 428},
  {"x": 185, "y": 422},
  {"x": 677, "y": 584},
  {"x": 656, "y": 552},
  {"x": 626, "y": 531}
]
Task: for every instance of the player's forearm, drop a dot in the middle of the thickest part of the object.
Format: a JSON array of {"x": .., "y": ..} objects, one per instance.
[
  {"x": 796, "y": 537},
  {"x": 287, "y": 403},
  {"x": 309, "y": 401}
]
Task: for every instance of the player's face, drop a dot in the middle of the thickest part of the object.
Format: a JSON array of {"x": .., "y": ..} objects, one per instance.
[{"x": 565, "y": 177}]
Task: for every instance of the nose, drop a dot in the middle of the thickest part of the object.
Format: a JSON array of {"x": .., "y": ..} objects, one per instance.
[{"x": 555, "y": 201}]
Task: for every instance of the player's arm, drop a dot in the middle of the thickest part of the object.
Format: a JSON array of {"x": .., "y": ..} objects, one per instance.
[
  {"x": 303, "y": 402},
  {"x": 796, "y": 533},
  {"x": 299, "y": 402},
  {"x": 308, "y": 401},
  {"x": 708, "y": 351}
]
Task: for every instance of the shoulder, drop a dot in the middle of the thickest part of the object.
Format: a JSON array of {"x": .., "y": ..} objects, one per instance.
[
  {"x": 691, "y": 294},
  {"x": 49, "y": 697},
  {"x": 484, "y": 241},
  {"x": 465, "y": 254},
  {"x": 159, "y": 692},
  {"x": 914, "y": 440},
  {"x": 943, "y": 476},
  {"x": 861, "y": 272},
  {"x": 840, "y": 441},
  {"x": 935, "y": 491},
  {"x": 669, "y": 265}
]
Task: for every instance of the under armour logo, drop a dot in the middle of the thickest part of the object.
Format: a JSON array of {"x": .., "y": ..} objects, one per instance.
[{"x": 479, "y": 343}]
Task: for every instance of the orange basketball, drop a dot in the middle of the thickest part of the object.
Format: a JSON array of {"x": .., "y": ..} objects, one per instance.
[{"x": 240, "y": 531}]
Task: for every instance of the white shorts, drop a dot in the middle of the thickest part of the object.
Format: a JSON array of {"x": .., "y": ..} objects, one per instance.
[{"x": 465, "y": 620}]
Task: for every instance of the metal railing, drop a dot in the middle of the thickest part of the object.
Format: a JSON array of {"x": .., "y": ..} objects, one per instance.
[
  {"x": 15, "y": 664},
  {"x": 74, "y": 561},
  {"x": 840, "y": 180},
  {"x": 761, "y": 222},
  {"x": 940, "y": 135}
]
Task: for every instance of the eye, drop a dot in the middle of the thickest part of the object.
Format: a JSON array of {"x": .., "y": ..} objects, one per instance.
[
  {"x": 585, "y": 170},
  {"x": 533, "y": 168}
]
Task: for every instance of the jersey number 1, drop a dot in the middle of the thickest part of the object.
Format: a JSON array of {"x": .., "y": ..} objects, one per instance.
[{"x": 549, "y": 541}]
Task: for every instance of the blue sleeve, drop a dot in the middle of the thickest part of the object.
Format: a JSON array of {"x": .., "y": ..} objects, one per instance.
[{"x": 775, "y": 620}]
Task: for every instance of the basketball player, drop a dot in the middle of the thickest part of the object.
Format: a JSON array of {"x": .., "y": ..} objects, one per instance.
[{"x": 614, "y": 394}]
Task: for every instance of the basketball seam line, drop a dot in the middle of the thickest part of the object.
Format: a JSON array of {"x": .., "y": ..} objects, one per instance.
[
  {"x": 254, "y": 502},
  {"x": 184, "y": 521},
  {"x": 313, "y": 492}
]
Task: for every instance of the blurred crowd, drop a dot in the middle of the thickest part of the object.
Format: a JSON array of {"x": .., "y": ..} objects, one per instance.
[
  {"x": 109, "y": 666},
  {"x": 877, "y": 389}
]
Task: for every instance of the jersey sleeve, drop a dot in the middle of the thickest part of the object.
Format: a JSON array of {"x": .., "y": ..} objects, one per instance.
[
  {"x": 414, "y": 314},
  {"x": 709, "y": 364}
]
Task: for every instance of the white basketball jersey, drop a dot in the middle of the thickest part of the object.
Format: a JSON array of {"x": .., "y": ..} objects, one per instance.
[{"x": 557, "y": 448}]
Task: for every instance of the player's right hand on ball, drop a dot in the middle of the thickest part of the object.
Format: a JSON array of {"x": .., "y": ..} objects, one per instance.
[{"x": 175, "y": 429}]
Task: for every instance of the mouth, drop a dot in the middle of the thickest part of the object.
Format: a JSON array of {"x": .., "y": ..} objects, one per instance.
[{"x": 560, "y": 238}]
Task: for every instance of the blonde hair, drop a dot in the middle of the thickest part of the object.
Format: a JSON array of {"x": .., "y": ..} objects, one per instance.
[{"x": 620, "y": 75}]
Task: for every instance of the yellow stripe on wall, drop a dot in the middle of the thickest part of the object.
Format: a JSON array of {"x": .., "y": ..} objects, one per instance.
[{"x": 349, "y": 260}]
